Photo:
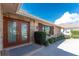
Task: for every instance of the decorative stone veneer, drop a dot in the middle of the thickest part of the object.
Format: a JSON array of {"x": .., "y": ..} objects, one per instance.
[{"x": 1, "y": 30}]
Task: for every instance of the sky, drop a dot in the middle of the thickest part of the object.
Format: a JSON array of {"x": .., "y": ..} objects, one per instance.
[{"x": 53, "y": 12}]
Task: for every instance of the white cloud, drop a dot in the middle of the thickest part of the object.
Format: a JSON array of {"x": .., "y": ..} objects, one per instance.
[{"x": 68, "y": 18}]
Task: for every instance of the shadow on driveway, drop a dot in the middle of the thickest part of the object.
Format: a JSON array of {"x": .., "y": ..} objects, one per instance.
[{"x": 52, "y": 50}]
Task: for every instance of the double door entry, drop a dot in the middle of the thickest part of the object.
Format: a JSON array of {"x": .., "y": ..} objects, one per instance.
[{"x": 16, "y": 32}]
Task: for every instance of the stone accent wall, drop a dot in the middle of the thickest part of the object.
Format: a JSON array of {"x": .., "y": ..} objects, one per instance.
[
  {"x": 1, "y": 30},
  {"x": 33, "y": 28}
]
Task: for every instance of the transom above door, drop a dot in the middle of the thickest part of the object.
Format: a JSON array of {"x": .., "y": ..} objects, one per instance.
[{"x": 16, "y": 32}]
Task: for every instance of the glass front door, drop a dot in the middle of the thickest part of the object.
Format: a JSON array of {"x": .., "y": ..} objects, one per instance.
[
  {"x": 11, "y": 32},
  {"x": 24, "y": 31},
  {"x": 15, "y": 32}
]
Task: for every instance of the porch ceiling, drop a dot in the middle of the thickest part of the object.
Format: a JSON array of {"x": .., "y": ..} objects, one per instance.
[{"x": 10, "y": 7}]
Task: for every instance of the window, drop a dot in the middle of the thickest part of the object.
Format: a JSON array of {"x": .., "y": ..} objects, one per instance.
[{"x": 47, "y": 29}]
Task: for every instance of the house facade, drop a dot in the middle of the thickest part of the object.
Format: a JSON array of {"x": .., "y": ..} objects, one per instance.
[{"x": 17, "y": 27}]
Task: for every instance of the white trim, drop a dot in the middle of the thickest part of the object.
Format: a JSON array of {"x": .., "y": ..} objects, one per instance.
[{"x": 19, "y": 6}]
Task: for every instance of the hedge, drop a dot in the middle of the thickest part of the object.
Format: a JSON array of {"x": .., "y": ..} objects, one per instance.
[
  {"x": 75, "y": 33},
  {"x": 40, "y": 37}
]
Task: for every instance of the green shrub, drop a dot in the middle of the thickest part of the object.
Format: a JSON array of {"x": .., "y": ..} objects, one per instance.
[
  {"x": 67, "y": 37},
  {"x": 40, "y": 37},
  {"x": 56, "y": 39},
  {"x": 61, "y": 37},
  {"x": 75, "y": 33},
  {"x": 46, "y": 43},
  {"x": 75, "y": 36},
  {"x": 50, "y": 40}
]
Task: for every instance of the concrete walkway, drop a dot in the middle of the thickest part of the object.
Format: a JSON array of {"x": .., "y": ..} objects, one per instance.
[
  {"x": 69, "y": 47},
  {"x": 24, "y": 50}
]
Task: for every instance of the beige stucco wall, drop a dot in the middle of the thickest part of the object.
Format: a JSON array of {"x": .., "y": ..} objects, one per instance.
[{"x": 1, "y": 29}]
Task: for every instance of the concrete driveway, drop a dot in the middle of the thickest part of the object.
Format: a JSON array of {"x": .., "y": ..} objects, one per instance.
[{"x": 69, "y": 47}]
